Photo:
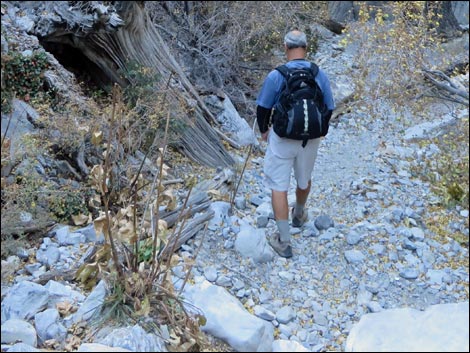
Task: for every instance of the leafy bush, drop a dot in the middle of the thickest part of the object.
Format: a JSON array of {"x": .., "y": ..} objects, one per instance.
[
  {"x": 448, "y": 172},
  {"x": 393, "y": 44},
  {"x": 23, "y": 76},
  {"x": 142, "y": 82},
  {"x": 145, "y": 123},
  {"x": 24, "y": 193},
  {"x": 68, "y": 202}
]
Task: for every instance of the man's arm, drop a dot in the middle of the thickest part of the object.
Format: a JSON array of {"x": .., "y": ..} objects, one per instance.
[
  {"x": 328, "y": 115},
  {"x": 325, "y": 87},
  {"x": 266, "y": 100}
]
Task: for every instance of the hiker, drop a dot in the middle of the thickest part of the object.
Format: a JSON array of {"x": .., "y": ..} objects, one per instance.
[{"x": 284, "y": 154}]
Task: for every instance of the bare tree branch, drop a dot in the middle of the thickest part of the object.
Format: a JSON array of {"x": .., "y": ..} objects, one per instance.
[{"x": 447, "y": 85}]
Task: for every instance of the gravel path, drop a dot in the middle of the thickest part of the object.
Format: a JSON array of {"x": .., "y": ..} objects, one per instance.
[{"x": 378, "y": 255}]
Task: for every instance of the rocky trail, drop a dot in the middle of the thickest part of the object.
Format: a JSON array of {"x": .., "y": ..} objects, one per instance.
[{"x": 365, "y": 250}]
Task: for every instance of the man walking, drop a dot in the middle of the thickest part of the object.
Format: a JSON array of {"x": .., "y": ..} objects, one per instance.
[{"x": 284, "y": 154}]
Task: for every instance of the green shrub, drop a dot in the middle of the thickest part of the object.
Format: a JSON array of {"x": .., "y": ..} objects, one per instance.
[
  {"x": 453, "y": 166},
  {"x": 22, "y": 76},
  {"x": 142, "y": 82},
  {"x": 68, "y": 202}
]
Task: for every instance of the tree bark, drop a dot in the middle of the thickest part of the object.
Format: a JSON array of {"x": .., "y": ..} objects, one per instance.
[{"x": 112, "y": 37}]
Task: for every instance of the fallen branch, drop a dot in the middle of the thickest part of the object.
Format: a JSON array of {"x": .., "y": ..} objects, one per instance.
[
  {"x": 447, "y": 84},
  {"x": 180, "y": 237}
]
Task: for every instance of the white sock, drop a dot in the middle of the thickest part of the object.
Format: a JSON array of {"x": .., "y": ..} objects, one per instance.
[
  {"x": 298, "y": 210},
  {"x": 283, "y": 227}
]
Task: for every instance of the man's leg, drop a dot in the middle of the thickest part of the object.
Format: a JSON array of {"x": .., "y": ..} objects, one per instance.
[
  {"x": 277, "y": 175},
  {"x": 301, "y": 196},
  {"x": 281, "y": 214},
  {"x": 303, "y": 169}
]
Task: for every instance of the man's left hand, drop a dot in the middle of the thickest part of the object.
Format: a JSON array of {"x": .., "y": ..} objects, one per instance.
[{"x": 264, "y": 136}]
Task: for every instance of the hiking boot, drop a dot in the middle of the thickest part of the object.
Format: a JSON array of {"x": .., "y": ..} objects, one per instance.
[
  {"x": 299, "y": 222},
  {"x": 282, "y": 248}
]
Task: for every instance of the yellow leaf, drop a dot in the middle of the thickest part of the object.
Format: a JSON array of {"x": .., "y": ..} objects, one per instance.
[
  {"x": 85, "y": 272},
  {"x": 144, "y": 308},
  {"x": 80, "y": 219},
  {"x": 101, "y": 225},
  {"x": 127, "y": 233},
  {"x": 162, "y": 226},
  {"x": 168, "y": 197},
  {"x": 97, "y": 177},
  {"x": 97, "y": 137},
  {"x": 95, "y": 201},
  {"x": 214, "y": 192},
  {"x": 128, "y": 211},
  {"x": 65, "y": 308}
]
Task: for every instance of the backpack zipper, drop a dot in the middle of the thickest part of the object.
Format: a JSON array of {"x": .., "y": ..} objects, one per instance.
[
  {"x": 319, "y": 120},
  {"x": 305, "y": 116}
]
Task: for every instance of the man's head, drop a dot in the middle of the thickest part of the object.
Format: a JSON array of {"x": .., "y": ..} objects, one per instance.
[{"x": 295, "y": 39}]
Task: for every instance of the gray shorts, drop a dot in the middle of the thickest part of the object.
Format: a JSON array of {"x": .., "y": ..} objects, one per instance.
[{"x": 284, "y": 155}]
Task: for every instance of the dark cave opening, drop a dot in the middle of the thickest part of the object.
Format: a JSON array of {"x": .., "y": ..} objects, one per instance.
[{"x": 87, "y": 73}]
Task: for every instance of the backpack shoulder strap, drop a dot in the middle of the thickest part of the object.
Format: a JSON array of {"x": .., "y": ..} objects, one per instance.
[
  {"x": 283, "y": 69},
  {"x": 314, "y": 68}
]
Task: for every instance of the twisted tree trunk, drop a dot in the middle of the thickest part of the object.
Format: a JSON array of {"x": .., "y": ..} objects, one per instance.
[{"x": 113, "y": 36}]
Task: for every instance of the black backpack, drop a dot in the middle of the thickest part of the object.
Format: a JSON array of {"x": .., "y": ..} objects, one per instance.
[{"x": 300, "y": 113}]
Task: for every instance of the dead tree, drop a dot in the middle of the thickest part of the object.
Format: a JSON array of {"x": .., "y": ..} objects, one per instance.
[{"x": 113, "y": 35}]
